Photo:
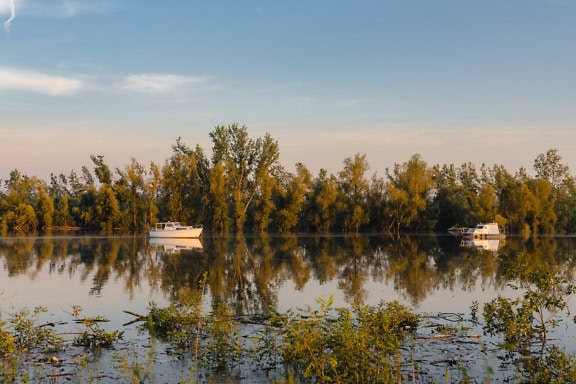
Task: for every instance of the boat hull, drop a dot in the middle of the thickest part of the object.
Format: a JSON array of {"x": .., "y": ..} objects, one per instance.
[
  {"x": 173, "y": 229},
  {"x": 177, "y": 233}
]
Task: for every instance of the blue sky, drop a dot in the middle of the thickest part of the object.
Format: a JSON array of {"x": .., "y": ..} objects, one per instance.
[{"x": 491, "y": 81}]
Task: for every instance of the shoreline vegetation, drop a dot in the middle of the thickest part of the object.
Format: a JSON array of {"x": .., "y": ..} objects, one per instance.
[
  {"x": 242, "y": 187},
  {"x": 385, "y": 343}
]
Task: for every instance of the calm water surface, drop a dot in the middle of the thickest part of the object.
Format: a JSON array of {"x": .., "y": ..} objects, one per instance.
[{"x": 253, "y": 274}]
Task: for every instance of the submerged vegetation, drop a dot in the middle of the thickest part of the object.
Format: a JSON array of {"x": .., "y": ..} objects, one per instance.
[
  {"x": 29, "y": 349},
  {"x": 524, "y": 324},
  {"x": 377, "y": 344},
  {"x": 243, "y": 187}
]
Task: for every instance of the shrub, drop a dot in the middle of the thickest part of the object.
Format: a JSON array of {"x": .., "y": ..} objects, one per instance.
[{"x": 354, "y": 345}]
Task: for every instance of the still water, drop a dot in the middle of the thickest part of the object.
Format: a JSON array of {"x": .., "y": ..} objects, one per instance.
[{"x": 108, "y": 275}]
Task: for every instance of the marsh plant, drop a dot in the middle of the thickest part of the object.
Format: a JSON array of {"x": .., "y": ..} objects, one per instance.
[
  {"x": 357, "y": 345},
  {"x": 337, "y": 345},
  {"x": 93, "y": 335},
  {"x": 21, "y": 337},
  {"x": 29, "y": 335},
  {"x": 524, "y": 323},
  {"x": 213, "y": 338},
  {"x": 29, "y": 348},
  {"x": 323, "y": 344}
]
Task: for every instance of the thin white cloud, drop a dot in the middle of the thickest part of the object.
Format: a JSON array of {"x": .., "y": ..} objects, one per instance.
[
  {"x": 157, "y": 83},
  {"x": 9, "y": 7},
  {"x": 67, "y": 8},
  {"x": 5, "y": 7},
  {"x": 19, "y": 80}
]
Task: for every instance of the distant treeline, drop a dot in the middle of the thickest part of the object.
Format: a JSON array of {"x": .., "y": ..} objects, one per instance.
[{"x": 243, "y": 187}]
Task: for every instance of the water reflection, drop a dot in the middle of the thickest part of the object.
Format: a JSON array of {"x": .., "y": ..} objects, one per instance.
[
  {"x": 249, "y": 273},
  {"x": 175, "y": 245},
  {"x": 482, "y": 244}
]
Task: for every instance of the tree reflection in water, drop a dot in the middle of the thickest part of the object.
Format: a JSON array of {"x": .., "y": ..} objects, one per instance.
[{"x": 249, "y": 272}]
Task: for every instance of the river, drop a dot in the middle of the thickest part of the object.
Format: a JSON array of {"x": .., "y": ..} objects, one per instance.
[{"x": 254, "y": 274}]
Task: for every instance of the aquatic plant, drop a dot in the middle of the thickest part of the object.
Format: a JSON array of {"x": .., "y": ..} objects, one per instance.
[
  {"x": 93, "y": 336},
  {"x": 360, "y": 344},
  {"x": 524, "y": 323}
]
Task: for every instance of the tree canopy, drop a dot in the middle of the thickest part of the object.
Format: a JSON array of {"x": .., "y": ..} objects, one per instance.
[{"x": 243, "y": 187}]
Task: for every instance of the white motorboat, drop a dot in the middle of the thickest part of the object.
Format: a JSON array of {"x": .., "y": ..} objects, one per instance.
[
  {"x": 483, "y": 231},
  {"x": 175, "y": 229}
]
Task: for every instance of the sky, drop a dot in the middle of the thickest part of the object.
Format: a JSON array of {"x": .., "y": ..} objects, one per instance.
[{"x": 455, "y": 81}]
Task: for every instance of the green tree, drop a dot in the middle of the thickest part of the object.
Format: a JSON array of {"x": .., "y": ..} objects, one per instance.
[
  {"x": 130, "y": 189},
  {"x": 354, "y": 186},
  {"x": 184, "y": 183},
  {"x": 45, "y": 210},
  {"x": 409, "y": 188},
  {"x": 151, "y": 187},
  {"x": 238, "y": 153},
  {"x": 266, "y": 180},
  {"x": 548, "y": 166},
  {"x": 543, "y": 216},
  {"x": 107, "y": 209},
  {"x": 18, "y": 207},
  {"x": 264, "y": 205},
  {"x": 293, "y": 195},
  {"x": 86, "y": 209},
  {"x": 248, "y": 167},
  {"x": 516, "y": 202},
  {"x": 101, "y": 170},
  {"x": 325, "y": 202},
  {"x": 376, "y": 202},
  {"x": 565, "y": 209},
  {"x": 218, "y": 198},
  {"x": 452, "y": 204},
  {"x": 62, "y": 216},
  {"x": 76, "y": 188}
]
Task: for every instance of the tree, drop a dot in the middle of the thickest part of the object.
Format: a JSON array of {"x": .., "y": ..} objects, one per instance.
[
  {"x": 20, "y": 200},
  {"x": 62, "y": 216},
  {"x": 266, "y": 173},
  {"x": 409, "y": 188},
  {"x": 87, "y": 209},
  {"x": 452, "y": 203},
  {"x": 218, "y": 198},
  {"x": 548, "y": 166},
  {"x": 101, "y": 170},
  {"x": 248, "y": 165},
  {"x": 107, "y": 209},
  {"x": 325, "y": 202},
  {"x": 45, "y": 210},
  {"x": 130, "y": 188},
  {"x": 150, "y": 191},
  {"x": 237, "y": 152},
  {"x": 354, "y": 186},
  {"x": 376, "y": 202},
  {"x": 183, "y": 184},
  {"x": 543, "y": 216},
  {"x": 293, "y": 196}
]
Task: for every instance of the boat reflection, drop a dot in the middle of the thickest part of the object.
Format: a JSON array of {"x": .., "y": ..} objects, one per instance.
[
  {"x": 175, "y": 245},
  {"x": 481, "y": 244}
]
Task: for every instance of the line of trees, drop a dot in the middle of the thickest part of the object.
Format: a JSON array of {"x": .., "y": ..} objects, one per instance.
[{"x": 243, "y": 187}]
